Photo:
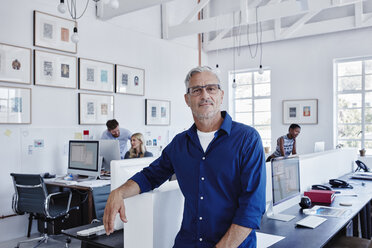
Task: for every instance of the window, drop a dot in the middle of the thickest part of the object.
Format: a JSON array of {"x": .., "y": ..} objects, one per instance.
[
  {"x": 251, "y": 101},
  {"x": 354, "y": 103}
]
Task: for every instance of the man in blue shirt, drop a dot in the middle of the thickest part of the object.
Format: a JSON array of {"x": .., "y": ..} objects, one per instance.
[
  {"x": 114, "y": 132},
  {"x": 220, "y": 169}
]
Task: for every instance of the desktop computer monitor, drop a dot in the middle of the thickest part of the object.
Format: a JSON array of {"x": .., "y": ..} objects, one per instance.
[
  {"x": 109, "y": 150},
  {"x": 84, "y": 159},
  {"x": 285, "y": 178}
]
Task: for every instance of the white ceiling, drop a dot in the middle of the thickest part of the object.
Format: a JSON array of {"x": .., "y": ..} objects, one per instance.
[{"x": 226, "y": 22}]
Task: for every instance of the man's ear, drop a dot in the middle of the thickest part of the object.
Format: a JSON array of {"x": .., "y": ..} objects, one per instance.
[{"x": 187, "y": 99}]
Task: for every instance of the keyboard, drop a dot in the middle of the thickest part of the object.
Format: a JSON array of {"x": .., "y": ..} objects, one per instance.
[
  {"x": 63, "y": 181},
  {"x": 94, "y": 231}
]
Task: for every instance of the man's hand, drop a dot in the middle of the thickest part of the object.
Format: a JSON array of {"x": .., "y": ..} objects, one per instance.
[{"x": 115, "y": 204}]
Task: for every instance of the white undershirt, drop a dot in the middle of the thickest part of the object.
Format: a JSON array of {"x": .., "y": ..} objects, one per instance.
[{"x": 205, "y": 138}]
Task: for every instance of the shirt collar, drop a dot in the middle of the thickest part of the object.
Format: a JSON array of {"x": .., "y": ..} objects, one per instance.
[{"x": 225, "y": 126}]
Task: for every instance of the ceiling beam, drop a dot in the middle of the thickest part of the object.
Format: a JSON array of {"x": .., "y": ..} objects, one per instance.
[
  {"x": 316, "y": 28},
  {"x": 297, "y": 25},
  {"x": 265, "y": 13},
  {"x": 358, "y": 9},
  {"x": 196, "y": 10}
]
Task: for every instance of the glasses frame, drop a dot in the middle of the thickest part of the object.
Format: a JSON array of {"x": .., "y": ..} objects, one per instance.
[{"x": 201, "y": 87}]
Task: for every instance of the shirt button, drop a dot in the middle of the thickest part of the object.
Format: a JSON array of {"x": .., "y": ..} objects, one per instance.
[
  {"x": 200, "y": 239},
  {"x": 200, "y": 218},
  {"x": 203, "y": 158},
  {"x": 202, "y": 178},
  {"x": 201, "y": 197}
]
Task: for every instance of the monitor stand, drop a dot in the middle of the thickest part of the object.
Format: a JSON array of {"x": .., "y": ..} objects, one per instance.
[
  {"x": 81, "y": 178},
  {"x": 277, "y": 216}
]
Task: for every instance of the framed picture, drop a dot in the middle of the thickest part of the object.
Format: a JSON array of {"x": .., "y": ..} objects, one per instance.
[
  {"x": 300, "y": 111},
  {"x": 96, "y": 75},
  {"x": 15, "y": 64},
  {"x": 15, "y": 105},
  {"x": 130, "y": 80},
  {"x": 54, "y": 32},
  {"x": 157, "y": 112},
  {"x": 95, "y": 109},
  {"x": 56, "y": 70}
]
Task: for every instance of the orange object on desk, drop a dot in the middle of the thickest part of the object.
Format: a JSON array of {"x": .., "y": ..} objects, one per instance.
[{"x": 321, "y": 196}]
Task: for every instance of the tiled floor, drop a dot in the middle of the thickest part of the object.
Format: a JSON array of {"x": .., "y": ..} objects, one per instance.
[{"x": 58, "y": 241}]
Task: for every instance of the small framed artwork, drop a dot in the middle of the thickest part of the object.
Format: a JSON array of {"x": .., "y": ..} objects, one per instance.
[
  {"x": 96, "y": 75},
  {"x": 15, "y": 105},
  {"x": 300, "y": 111},
  {"x": 54, "y": 32},
  {"x": 130, "y": 80},
  {"x": 15, "y": 64},
  {"x": 157, "y": 112},
  {"x": 95, "y": 109},
  {"x": 56, "y": 70}
]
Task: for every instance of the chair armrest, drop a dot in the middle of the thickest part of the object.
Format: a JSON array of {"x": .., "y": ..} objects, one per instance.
[
  {"x": 15, "y": 204},
  {"x": 53, "y": 195}
]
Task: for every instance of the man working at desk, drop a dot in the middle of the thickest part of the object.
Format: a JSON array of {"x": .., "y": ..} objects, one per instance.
[
  {"x": 220, "y": 169},
  {"x": 116, "y": 133}
]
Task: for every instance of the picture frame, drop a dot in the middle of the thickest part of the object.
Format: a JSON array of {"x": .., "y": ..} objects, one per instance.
[
  {"x": 54, "y": 32},
  {"x": 129, "y": 80},
  {"x": 55, "y": 70},
  {"x": 95, "y": 109},
  {"x": 96, "y": 75},
  {"x": 300, "y": 111},
  {"x": 157, "y": 112},
  {"x": 15, "y": 64},
  {"x": 15, "y": 105}
]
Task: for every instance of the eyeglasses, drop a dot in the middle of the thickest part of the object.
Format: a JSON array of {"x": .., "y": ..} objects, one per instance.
[{"x": 197, "y": 90}]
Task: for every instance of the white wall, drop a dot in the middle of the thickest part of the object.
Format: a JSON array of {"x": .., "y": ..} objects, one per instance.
[
  {"x": 55, "y": 110},
  {"x": 300, "y": 69}
]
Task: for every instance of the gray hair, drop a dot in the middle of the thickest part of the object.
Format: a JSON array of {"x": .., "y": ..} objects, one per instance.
[{"x": 196, "y": 70}]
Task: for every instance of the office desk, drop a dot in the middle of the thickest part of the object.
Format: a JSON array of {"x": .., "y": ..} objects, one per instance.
[
  {"x": 321, "y": 235},
  {"x": 85, "y": 188},
  {"x": 104, "y": 241}
]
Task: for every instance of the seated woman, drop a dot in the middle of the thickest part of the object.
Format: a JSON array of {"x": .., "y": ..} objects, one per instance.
[
  {"x": 286, "y": 144},
  {"x": 138, "y": 149}
]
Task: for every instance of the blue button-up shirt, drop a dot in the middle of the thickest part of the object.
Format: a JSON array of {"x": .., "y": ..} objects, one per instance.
[{"x": 223, "y": 185}]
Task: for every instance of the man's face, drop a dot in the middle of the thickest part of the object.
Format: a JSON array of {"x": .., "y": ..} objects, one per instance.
[
  {"x": 295, "y": 132},
  {"x": 115, "y": 132},
  {"x": 206, "y": 105}
]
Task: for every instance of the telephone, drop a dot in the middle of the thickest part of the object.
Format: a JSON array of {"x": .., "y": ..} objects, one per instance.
[
  {"x": 361, "y": 166},
  {"x": 320, "y": 187},
  {"x": 337, "y": 183}
]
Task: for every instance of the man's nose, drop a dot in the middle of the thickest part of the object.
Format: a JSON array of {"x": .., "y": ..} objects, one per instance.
[{"x": 204, "y": 93}]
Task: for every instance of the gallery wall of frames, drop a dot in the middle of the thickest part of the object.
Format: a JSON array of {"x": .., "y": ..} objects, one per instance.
[{"x": 97, "y": 81}]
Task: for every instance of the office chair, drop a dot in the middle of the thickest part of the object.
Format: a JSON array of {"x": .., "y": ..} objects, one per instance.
[
  {"x": 100, "y": 195},
  {"x": 31, "y": 197}
]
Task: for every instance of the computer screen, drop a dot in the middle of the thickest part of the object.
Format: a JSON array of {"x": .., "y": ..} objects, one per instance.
[
  {"x": 84, "y": 159},
  {"x": 285, "y": 179},
  {"x": 109, "y": 150}
]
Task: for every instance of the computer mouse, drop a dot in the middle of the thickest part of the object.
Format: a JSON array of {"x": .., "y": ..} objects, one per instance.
[{"x": 305, "y": 202}]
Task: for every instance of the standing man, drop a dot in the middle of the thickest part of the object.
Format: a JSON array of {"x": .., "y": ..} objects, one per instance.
[
  {"x": 220, "y": 168},
  {"x": 114, "y": 132}
]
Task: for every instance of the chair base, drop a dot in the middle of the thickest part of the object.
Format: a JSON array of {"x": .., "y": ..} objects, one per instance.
[{"x": 42, "y": 239}]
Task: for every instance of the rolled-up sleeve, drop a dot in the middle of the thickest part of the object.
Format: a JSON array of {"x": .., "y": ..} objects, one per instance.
[
  {"x": 253, "y": 180},
  {"x": 156, "y": 174}
]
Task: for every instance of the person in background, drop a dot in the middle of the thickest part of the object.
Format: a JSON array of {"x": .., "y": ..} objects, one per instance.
[
  {"x": 286, "y": 144},
  {"x": 138, "y": 149},
  {"x": 220, "y": 169},
  {"x": 114, "y": 132}
]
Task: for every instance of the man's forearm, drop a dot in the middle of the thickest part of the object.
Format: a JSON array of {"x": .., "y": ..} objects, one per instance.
[
  {"x": 234, "y": 236},
  {"x": 128, "y": 189}
]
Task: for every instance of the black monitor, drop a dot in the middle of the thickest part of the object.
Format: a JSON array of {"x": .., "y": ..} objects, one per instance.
[
  {"x": 84, "y": 159},
  {"x": 285, "y": 178}
]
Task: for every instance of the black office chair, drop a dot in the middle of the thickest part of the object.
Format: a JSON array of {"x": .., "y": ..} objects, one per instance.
[
  {"x": 100, "y": 196},
  {"x": 31, "y": 196}
]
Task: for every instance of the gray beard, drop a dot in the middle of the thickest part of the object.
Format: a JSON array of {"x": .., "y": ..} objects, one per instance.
[{"x": 202, "y": 117}]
